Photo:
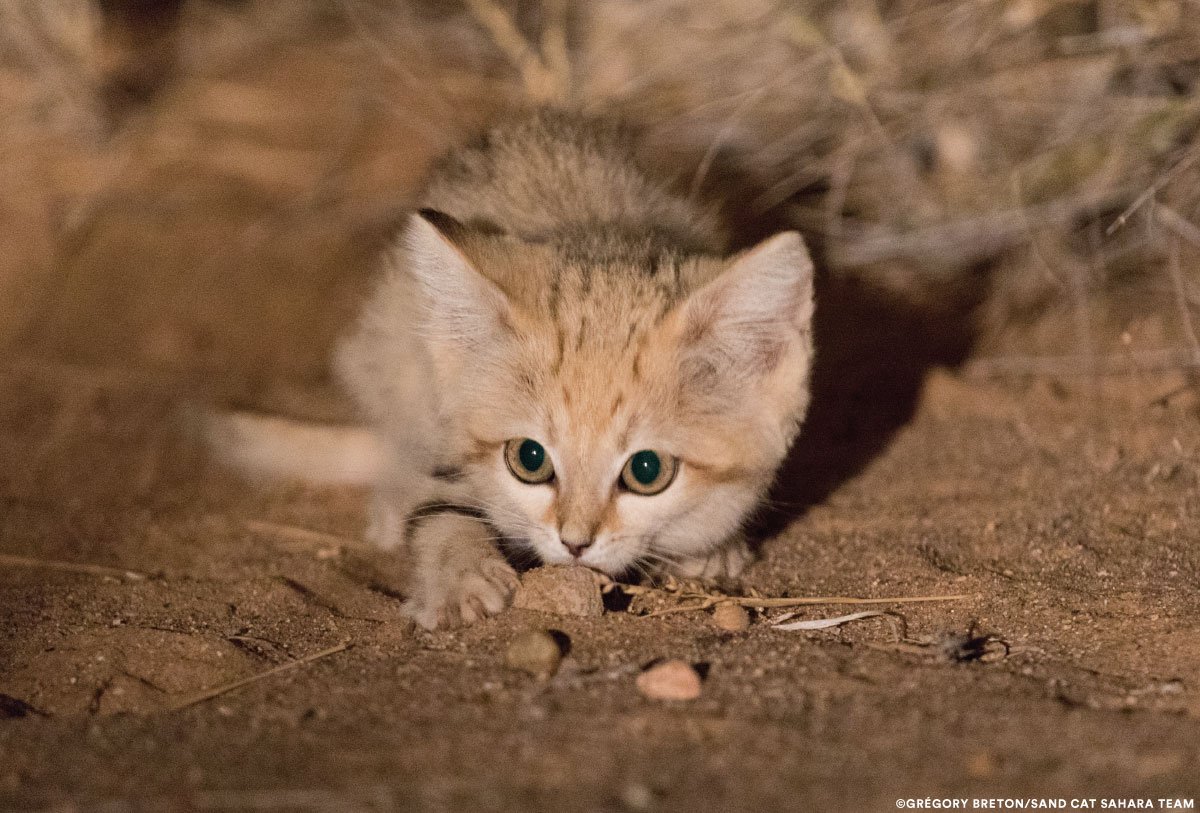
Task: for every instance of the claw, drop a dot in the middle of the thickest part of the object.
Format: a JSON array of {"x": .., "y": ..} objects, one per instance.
[
  {"x": 727, "y": 561},
  {"x": 471, "y": 609},
  {"x": 473, "y": 596}
]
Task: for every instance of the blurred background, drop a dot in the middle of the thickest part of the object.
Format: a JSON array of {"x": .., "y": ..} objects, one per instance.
[
  {"x": 1004, "y": 198},
  {"x": 201, "y": 183}
]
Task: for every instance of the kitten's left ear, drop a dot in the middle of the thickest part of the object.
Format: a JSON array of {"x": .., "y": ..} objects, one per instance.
[{"x": 747, "y": 318}]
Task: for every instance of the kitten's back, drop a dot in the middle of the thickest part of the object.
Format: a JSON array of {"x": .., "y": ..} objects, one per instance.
[{"x": 548, "y": 174}]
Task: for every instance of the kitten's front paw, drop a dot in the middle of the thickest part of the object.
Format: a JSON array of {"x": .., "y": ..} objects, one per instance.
[
  {"x": 443, "y": 599},
  {"x": 726, "y": 562}
]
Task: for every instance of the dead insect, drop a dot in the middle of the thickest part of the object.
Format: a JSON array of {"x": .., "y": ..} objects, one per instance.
[{"x": 974, "y": 646}]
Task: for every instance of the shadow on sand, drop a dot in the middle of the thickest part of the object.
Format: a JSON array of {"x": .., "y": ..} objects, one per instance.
[{"x": 873, "y": 352}]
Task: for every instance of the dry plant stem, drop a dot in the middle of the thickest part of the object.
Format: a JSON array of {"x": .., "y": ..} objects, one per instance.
[
  {"x": 216, "y": 691},
  {"x": 1181, "y": 299},
  {"x": 539, "y": 81},
  {"x": 1081, "y": 311},
  {"x": 294, "y": 533},
  {"x": 71, "y": 567},
  {"x": 1185, "y": 230},
  {"x": 1177, "y": 223},
  {"x": 1159, "y": 184},
  {"x": 957, "y": 243},
  {"x": 719, "y": 140},
  {"x": 555, "y": 55},
  {"x": 386, "y": 53},
  {"x": 705, "y": 601},
  {"x": 1149, "y": 361}
]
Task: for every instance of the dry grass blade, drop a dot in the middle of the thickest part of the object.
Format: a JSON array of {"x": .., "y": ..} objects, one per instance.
[
  {"x": 13, "y": 560},
  {"x": 824, "y": 623},
  {"x": 225, "y": 688}
]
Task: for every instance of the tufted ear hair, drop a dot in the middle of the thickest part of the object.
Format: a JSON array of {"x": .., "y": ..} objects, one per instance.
[
  {"x": 462, "y": 305},
  {"x": 752, "y": 315}
]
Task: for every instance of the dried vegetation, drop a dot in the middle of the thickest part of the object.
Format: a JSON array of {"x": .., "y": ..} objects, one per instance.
[{"x": 1015, "y": 158}]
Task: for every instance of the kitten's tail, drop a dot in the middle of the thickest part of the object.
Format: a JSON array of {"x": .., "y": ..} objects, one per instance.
[{"x": 279, "y": 448}]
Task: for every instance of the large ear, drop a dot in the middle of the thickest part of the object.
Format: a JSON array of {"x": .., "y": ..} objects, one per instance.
[
  {"x": 463, "y": 306},
  {"x": 746, "y": 320}
]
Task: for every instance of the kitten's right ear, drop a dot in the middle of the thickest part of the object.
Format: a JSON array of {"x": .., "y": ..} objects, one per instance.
[
  {"x": 760, "y": 306},
  {"x": 464, "y": 306}
]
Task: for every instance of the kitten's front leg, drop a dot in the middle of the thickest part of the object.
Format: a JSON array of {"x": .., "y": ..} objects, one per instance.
[
  {"x": 458, "y": 574},
  {"x": 727, "y": 561}
]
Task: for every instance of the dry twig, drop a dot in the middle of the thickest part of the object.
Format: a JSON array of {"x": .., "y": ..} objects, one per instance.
[
  {"x": 225, "y": 688},
  {"x": 304, "y": 536},
  {"x": 705, "y": 600},
  {"x": 13, "y": 560}
]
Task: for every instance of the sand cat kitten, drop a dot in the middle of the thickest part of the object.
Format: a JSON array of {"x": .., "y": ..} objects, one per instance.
[{"x": 561, "y": 357}]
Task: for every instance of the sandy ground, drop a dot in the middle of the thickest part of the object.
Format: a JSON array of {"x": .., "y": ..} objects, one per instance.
[
  {"x": 1064, "y": 509},
  {"x": 1075, "y": 547}
]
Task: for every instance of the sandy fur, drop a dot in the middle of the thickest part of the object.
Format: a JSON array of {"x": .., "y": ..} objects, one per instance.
[{"x": 557, "y": 290}]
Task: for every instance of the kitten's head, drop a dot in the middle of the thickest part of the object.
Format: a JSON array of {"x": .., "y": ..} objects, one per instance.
[{"x": 613, "y": 404}]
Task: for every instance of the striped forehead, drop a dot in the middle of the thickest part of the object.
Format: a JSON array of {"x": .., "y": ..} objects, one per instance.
[
  {"x": 594, "y": 384},
  {"x": 595, "y": 387}
]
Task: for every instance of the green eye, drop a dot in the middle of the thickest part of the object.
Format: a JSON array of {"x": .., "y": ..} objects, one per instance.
[
  {"x": 648, "y": 472},
  {"x": 528, "y": 461}
]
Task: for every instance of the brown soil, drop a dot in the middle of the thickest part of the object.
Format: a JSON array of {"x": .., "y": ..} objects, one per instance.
[{"x": 1066, "y": 511}]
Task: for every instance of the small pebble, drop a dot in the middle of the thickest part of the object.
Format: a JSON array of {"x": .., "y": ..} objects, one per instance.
[
  {"x": 535, "y": 652},
  {"x": 670, "y": 680},
  {"x": 731, "y": 617},
  {"x": 636, "y": 796},
  {"x": 560, "y": 590}
]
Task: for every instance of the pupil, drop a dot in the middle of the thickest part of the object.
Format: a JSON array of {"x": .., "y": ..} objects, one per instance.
[
  {"x": 646, "y": 467},
  {"x": 532, "y": 455}
]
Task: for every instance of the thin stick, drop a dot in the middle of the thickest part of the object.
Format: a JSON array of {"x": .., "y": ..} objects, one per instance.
[
  {"x": 71, "y": 567},
  {"x": 216, "y": 691},
  {"x": 1153, "y": 190},
  {"x": 691, "y": 608}
]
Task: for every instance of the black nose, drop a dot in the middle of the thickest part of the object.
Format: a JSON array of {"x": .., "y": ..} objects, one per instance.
[{"x": 577, "y": 547}]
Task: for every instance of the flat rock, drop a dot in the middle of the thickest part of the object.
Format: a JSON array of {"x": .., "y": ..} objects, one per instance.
[
  {"x": 560, "y": 590},
  {"x": 670, "y": 680},
  {"x": 536, "y": 652},
  {"x": 731, "y": 617}
]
